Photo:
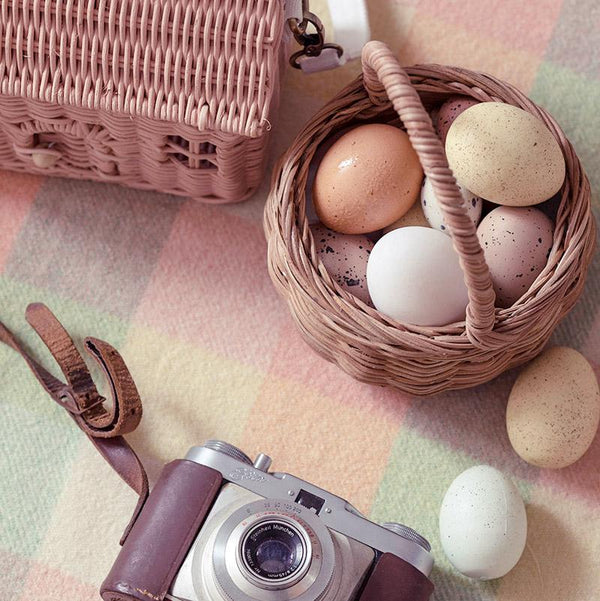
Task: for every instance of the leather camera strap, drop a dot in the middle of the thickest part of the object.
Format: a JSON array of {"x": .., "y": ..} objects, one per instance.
[{"x": 80, "y": 397}]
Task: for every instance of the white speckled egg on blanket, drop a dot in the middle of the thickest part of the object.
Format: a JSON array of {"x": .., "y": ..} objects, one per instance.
[{"x": 483, "y": 524}]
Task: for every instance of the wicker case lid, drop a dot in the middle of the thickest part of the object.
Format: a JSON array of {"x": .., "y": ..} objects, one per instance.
[{"x": 210, "y": 64}]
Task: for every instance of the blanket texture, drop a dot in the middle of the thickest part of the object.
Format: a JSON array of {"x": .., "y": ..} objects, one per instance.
[{"x": 182, "y": 290}]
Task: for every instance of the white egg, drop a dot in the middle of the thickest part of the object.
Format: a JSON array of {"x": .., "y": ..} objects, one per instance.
[
  {"x": 483, "y": 524},
  {"x": 433, "y": 210},
  {"x": 414, "y": 276}
]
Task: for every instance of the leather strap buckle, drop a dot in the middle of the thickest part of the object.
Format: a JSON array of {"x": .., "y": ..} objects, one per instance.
[{"x": 67, "y": 400}]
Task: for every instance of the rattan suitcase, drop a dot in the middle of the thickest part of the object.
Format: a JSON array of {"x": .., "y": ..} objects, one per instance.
[{"x": 169, "y": 95}]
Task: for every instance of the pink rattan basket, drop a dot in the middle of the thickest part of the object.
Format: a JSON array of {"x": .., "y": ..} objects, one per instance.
[
  {"x": 170, "y": 95},
  {"x": 367, "y": 344}
]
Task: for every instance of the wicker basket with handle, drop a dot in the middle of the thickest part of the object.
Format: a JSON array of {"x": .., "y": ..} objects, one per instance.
[
  {"x": 170, "y": 95},
  {"x": 370, "y": 346}
]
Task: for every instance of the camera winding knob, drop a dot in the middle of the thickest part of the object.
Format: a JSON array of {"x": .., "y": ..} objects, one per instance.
[
  {"x": 407, "y": 533},
  {"x": 228, "y": 449}
]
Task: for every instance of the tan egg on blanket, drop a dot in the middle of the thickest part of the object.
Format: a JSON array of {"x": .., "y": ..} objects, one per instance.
[{"x": 554, "y": 409}]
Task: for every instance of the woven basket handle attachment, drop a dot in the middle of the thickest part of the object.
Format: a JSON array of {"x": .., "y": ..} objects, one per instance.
[{"x": 385, "y": 81}]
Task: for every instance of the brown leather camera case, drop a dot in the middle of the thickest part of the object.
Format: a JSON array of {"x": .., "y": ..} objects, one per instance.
[
  {"x": 393, "y": 579},
  {"x": 163, "y": 533}
]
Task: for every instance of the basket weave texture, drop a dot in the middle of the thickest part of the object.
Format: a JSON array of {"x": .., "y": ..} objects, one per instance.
[
  {"x": 172, "y": 95},
  {"x": 365, "y": 343}
]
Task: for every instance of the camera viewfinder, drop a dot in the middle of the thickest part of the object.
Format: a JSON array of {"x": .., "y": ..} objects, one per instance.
[{"x": 310, "y": 501}]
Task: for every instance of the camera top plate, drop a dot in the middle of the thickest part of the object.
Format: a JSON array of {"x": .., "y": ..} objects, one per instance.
[{"x": 336, "y": 513}]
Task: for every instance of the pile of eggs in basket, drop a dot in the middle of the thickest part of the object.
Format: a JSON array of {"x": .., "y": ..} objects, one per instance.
[{"x": 381, "y": 232}]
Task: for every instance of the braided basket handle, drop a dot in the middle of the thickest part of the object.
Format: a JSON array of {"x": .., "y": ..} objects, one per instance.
[{"x": 384, "y": 79}]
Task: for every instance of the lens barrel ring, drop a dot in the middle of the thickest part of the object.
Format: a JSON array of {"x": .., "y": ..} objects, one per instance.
[
  {"x": 307, "y": 583},
  {"x": 276, "y": 551}
]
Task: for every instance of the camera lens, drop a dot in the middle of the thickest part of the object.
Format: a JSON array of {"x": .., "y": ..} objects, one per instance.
[
  {"x": 274, "y": 550},
  {"x": 268, "y": 549}
]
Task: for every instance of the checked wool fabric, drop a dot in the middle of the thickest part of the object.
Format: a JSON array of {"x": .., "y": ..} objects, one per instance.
[{"x": 182, "y": 290}]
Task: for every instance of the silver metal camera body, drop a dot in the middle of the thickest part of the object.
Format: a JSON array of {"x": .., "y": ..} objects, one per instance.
[{"x": 275, "y": 537}]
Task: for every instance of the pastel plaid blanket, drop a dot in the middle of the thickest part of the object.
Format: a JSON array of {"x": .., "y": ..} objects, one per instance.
[{"x": 181, "y": 289}]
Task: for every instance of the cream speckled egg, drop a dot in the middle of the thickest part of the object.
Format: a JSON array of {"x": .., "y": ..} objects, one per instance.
[
  {"x": 433, "y": 211},
  {"x": 504, "y": 154},
  {"x": 414, "y": 216},
  {"x": 554, "y": 409},
  {"x": 368, "y": 179},
  {"x": 483, "y": 524},
  {"x": 345, "y": 258},
  {"x": 516, "y": 242}
]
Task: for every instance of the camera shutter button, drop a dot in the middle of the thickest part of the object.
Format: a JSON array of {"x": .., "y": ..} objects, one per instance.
[{"x": 262, "y": 462}]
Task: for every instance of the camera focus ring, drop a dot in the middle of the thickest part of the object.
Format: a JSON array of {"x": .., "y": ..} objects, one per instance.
[{"x": 276, "y": 551}]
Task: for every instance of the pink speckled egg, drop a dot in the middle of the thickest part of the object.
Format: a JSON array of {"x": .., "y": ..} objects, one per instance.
[
  {"x": 516, "y": 242},
  {"x": 345, "y": 257},
  {"x": 449, "y": 111}
]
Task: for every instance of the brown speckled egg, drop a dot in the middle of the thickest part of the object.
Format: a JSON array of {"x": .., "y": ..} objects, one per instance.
[
  {"x": 554, "y": 409},
  {"x": 504, "y": 154},
  {"x": 368, "y": 179},
  {"x": 516, "y": 243},
  {"x": 345, "y": 258},
  {"x": 449, "y": 111}
]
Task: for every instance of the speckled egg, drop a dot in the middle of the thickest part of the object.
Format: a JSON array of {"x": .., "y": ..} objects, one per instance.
[
  {"x": 449, "y": 111},
  {"x": 516, "y": 244},
  {"x": 368, "y": 179},
  {"x": 483, "y": 524},
  {"x": 554, "y": 409},
  {"x": 413, "y": 217},
  {"x": 345, "y": 257},
  {"x": 433, "y": 210},
  {"x": 504, "y": 154}
]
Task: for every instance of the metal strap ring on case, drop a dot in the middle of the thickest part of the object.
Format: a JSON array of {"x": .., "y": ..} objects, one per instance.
[{"x": 312, "y": 43}]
